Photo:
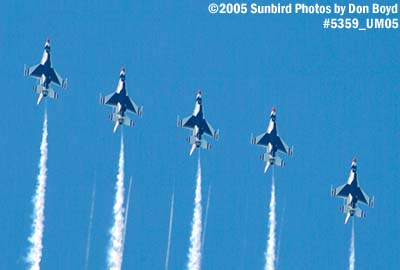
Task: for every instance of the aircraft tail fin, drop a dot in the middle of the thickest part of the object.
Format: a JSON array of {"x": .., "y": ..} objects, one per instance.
[
  {"x": 44, "y": 92},
  {"x": 40, "y": 97},
  {"x": 192, "y": 148},
  {"x": 350, "y": 211},
  {"x": 274, "y": 160},
  {"x": 115, "y": 126},
  {"x": 120, "y": 120},
  {"x": 267, "y": 164},
  {"x": 347, "y": 218},
  {"x": 195, "y": 142}
]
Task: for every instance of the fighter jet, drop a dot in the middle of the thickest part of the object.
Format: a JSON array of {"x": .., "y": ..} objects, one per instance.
[
  {"x": 273, "y": 143},
  {"x": 46, "y": 74},
  {"x": 199, "y": 126},
  {"x": 121, "y": 103},
  {"x": 352, "y": 194}
]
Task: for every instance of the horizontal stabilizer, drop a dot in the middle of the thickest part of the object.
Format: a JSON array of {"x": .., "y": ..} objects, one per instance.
[
  {"x": 191, "y": 139},
  {"x": 350, "y": 211},
  {"x": 44, "y": 92},
  {"x": 128, "y": 122},
  {"x": 196, "y": 143},
  {"x": 359, "y": 213},
  {"x": 122, "y": 120},
  {"x": 273, "y": 160},
  {"x": 205, "y": 145}
]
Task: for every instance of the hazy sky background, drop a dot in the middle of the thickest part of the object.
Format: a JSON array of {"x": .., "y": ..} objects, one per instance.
[{"x": 336, "y": 95}]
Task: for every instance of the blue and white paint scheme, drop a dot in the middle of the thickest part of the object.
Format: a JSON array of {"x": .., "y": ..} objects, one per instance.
[
  {"x": 121, "y": 103},
  {"x": 46, "y": 75},
  {"x": 199, "y": 126},
  {"x": 352, "y": 194},
  {"x": 273, "y": 143}
]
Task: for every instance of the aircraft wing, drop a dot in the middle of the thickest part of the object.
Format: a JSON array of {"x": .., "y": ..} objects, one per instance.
[
  {"x": 262, "y": 139},
  {"x": 363, "y": 197},
  {"x": 208, "y": 129},
  {"x": 342, "y": 191},
  {"x": 110, "y": 100},
  {"x": 55, "y": 77},
  {"x": 188, "y": 122},
  {"x": 35, "y": 71},
  {"x": 282, "y": 146},
  {"x": 131, "y": 106}
]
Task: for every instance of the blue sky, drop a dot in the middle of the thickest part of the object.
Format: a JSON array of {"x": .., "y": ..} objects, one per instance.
[{"x": 336, "y": 94}]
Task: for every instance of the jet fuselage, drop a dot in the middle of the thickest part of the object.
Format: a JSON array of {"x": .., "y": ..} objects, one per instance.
[
  {"x": 198, "y": 130},
  {"x": 46, "y": 79},
  {"x": 353, "y": 186},
  {"x": 123, "y": 99},
  {"x": 272, "y": 131}
]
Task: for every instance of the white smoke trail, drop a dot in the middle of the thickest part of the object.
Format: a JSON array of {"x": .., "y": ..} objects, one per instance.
[
  {"x": 278, "y": 248},
  {"x": 270, "y": 253},
  {"x": 117, "y": 231},
  {"x": 35, "y": 250},
  {"x": 195, "y": 237},
  {"x": 90, "y": 226},
  {"x": 171, "y": 218},
  {"x": 206, "y": 218},
  {"x": 352, "y": 257},
  {"x": 126, "y": 214}
]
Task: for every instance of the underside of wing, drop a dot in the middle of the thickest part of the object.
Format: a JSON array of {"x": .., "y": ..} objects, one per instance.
[
  {"x": 131, "y": 106},
  {"x": 342, "y": 191},
  {"x": 189, "y": 122},
  {"x": 263, "y": 139},
  {"x": 208, "y": 129},
  {"x": 55, "y": 77},
  {"x": 110, "y": 100},
  {"x": 362, "y": 196},
  {"x": 282, "y": 146},
  {"x": 36, "y": 71}
]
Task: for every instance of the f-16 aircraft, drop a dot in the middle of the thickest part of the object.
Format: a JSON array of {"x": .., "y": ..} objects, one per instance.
[
  {"x": 121, "y": 102},
  {"x": 352, "y": 194},
  {"x": 46, "y": 74},
  {"x": 273, "y": 143},
  {"x": 199, "y": 126}
]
